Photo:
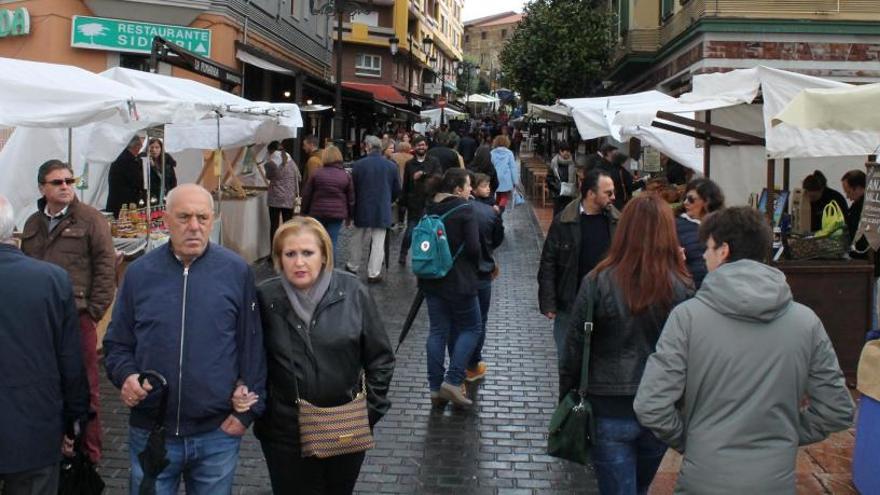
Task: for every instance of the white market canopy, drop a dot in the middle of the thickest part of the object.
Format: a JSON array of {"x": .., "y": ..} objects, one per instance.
[
  {"x": 594, "y": 118},
  {"x": 433, "y": 115},
  {"x": 484, "y": 99},
  {"x": 551, "y": 113},
  {"x": 36, "y": 94},
  {"x": 850, "y": 108}
]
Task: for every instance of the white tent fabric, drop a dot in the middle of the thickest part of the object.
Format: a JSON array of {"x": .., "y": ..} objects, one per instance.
[
  {"x": 433, "y": 115},
  {"x": 778, "y": 87},
  {"x": 851, "y": 108},
  {"x": 244, "y": 122},
  {"x": 553, "y": 113},
  {"x": 35, "y": 94},
  {"x": 478, "y": 98},
  {"x": 189, "y": 108}
]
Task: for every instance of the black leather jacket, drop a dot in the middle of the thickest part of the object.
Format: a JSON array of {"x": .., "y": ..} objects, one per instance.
[
  {"x": 325, "y": 358},
  {"x": 558, "y": 273},
  {"x": 621, "y": 341}
]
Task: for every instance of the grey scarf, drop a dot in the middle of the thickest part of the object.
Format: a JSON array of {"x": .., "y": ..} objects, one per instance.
[{"x": 304, "y": 302}]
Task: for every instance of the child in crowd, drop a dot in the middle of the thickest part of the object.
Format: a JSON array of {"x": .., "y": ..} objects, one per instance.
[{"x": 482, "y": 191}]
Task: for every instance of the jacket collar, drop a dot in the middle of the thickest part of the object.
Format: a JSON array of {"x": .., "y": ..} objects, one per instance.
[
  {"x": 571, "y": 213},
  {"x": 71, "y": 208},
  {"x": 281, "y": 304},
  {"x": 9, "y": 248}
]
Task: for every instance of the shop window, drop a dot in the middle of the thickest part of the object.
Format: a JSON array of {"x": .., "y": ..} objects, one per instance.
[
  {"x": 666, "y": 9},
  {"x": 503, "y": 33},
  {"x": 368, "y": 65},
  {"x": 467, "y": 38},
  {"x": 483, "y": 35},
  {"x": 134, "y": 61}
]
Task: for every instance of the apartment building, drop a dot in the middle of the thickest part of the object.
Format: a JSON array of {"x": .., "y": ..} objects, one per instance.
[
  {"x": 485, "y": 37},
  {"x": 663, "y": 43}
]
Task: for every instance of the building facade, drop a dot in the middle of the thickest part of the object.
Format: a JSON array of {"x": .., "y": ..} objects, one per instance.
[
  {"x": 483, "y": 40},
  {"x": 663, "y": 43},
  {"x": 276, "y": 47},
  {"x": 428, "y": 38}
]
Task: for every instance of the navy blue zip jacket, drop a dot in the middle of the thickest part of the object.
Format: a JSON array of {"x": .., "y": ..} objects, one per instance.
[{"x": 199, "y": 327}]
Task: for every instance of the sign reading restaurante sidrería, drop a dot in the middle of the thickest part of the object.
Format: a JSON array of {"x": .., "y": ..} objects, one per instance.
[
  {"x": 119, "y": 35},
  {"x": 15, "y": 22}
]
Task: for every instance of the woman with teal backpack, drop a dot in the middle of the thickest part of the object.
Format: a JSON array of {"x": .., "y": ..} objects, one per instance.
[{"x": 453, "y": 306}]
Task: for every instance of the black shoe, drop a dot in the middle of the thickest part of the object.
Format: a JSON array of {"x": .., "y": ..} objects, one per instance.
[{"x": 374, "y": 280}]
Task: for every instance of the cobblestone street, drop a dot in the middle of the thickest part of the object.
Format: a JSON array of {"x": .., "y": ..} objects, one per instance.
[{"x": 495, "y": 448}]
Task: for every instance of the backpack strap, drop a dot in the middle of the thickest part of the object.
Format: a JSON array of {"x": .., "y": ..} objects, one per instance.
[{"x": 443, "y": 216}]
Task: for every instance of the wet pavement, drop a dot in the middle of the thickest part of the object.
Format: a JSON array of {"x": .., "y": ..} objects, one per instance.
[{"x": 498, "y": 447}]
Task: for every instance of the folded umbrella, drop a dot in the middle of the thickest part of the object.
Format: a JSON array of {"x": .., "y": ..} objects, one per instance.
[
  {"x": 410, "y": 317},
  {"x": 153, "y": 458}
]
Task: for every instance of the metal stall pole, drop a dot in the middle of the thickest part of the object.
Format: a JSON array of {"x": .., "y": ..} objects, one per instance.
[
  {"x": 219, "y": 179},
  {"x": 771, "y": 188},
  {"x": 707, "y": 146}
]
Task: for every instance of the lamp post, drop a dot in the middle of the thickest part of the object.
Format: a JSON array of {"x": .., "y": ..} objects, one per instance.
[
  {"x": 339, "y": 8},
  {"x": 465, "y": 68},
  {"x": 394, "y": 46}
]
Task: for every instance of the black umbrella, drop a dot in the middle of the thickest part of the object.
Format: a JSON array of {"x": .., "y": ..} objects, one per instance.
[
  {"x": 410, "y": 317},
  {"x": 78, "y": 474},
  {"x": 153, "y": 459}
]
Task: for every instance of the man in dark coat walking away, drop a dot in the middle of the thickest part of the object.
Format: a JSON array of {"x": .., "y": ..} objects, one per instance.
[
  {"x": 376, "y": 186},
  {"x": 444, "y": 154},
  {"x": 126, "y": 179},
  {"x": 467, "y": 147},
  {"x": 42, "y": 378}
]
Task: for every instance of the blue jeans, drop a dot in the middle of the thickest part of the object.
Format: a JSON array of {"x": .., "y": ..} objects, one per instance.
[
  {"x": 332, "y": 227},
  {"x": 484, "y": 295},
  {"x": 626, "y": 456},
  {"x": 206, "y": 462},
  {"x": 560, "y": 330},
  {"x": 451, "y": 316}
]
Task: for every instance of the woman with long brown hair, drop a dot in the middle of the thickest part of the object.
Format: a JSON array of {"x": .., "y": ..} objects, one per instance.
[{"x": 632, "y": 292}]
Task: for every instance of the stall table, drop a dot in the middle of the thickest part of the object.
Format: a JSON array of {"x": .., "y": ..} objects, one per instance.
[{"x": 841, "y": 294}]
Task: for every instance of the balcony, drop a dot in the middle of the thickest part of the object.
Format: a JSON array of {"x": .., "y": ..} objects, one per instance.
[
  {"x": 637, "y": 41},
  {"x": 817, "y": 10}
]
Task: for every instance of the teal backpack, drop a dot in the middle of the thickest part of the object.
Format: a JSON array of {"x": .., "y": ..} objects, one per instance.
[{"x": 431, "y": 256}]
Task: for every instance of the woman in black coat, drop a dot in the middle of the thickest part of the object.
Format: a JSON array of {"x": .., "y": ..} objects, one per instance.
[
  {"x": 453, "y": 306},
  {"x": 701, "y": 197},
  {"x": 322, "y": 332},
  {"x": 155, "y": 150}
]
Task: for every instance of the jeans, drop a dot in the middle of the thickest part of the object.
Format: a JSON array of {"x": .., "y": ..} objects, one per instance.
[
  {"x": 560, "y": 330},
  {"x": 451, "y": 315},
  {"x": 407, "y": 236},
  {"x": 292, "y": 474},
  {"x": 206, "y": 462},
  {"x": 332, "y": 226},
  {"x": 484, "y": 295},
  {"x": 626, "y": 456},
  {"x": 376, "y": 238},
  {"x": 89, "y": 344}
]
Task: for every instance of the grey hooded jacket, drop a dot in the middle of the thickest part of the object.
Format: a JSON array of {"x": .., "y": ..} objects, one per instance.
[{"x": 727, "y": 384}]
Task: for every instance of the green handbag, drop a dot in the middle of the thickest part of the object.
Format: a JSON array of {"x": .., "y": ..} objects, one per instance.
[{"x": 573, "y": 426}]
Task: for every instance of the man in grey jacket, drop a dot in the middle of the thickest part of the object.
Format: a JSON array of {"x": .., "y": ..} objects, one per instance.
[{"x": 742, "y": 375}]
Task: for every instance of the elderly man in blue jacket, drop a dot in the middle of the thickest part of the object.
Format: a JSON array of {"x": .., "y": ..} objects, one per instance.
[
  {"x": 376, "y": 186},
  {"x": 188, "y": 310},
  {"x": 42, "y": 378}
]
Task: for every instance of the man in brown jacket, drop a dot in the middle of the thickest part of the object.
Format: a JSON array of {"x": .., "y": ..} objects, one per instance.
[
  {"x": 310, "y": 146},
  {"x": 76, "y": 237}
]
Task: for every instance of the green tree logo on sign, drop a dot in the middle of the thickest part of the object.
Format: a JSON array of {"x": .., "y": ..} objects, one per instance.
[{"x": 91, "y": 30}]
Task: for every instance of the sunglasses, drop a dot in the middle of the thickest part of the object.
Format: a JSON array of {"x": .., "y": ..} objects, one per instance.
[
  {"x": 58, "y": 182},
  {"x": 691, "y": 199}
]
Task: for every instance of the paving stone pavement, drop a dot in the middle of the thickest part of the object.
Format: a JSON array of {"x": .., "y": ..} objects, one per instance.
[{"x": 495, "y": 448}]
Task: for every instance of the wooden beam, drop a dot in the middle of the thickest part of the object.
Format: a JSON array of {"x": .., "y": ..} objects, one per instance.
[
  {"x": 771, "y": 189},
  {"x": 693, "y": 134},
  {"x": 707, "y": 147},
  {"x": 714, "y": 129}
]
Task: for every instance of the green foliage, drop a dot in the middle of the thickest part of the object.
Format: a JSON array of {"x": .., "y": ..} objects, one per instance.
[
  {"x": 466, "y": 84},
  {"x": 560, "y": 49}
]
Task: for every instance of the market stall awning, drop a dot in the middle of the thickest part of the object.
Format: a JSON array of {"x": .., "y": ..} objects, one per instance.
[
  {"x": 852, "y": 108},
  {"x": 258, "y": 58},
  {"x": 381, "y": 92},
  {"x": 552, "y": 113}
]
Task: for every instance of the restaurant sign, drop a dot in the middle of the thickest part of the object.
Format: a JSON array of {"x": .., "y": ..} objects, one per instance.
[
  {"x": 15, "y": 22},
  {"x": 98, "y": 33}
]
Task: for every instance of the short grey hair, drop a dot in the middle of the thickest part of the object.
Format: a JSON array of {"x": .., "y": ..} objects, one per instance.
[
  {"x": 169, "y": 198},
  {"x": 7, "y": 220},
  {"x": 373, "y": 143},
  {"x": 137, "y": 139}
]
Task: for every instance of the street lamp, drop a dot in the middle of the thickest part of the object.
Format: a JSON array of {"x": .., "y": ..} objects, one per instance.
[
  {"x": 465, "y": 69},
  {"x": 394, "y": 45},
  {"x": 339, "y": 8}
]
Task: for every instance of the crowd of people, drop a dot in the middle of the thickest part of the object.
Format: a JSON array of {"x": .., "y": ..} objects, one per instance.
[{"x": 696, "y": 343}]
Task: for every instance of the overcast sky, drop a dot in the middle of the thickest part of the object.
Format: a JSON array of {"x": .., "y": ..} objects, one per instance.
[{"x": 480, "y": 8}]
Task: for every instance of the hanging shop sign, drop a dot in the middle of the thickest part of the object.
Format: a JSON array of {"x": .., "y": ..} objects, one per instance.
[
  {"x": 15, "y": 22},
  {"x": 98, "y": 33}
]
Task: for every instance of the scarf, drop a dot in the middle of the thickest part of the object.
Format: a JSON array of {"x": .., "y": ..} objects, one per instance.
[{"x": 304, "y": 302}]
